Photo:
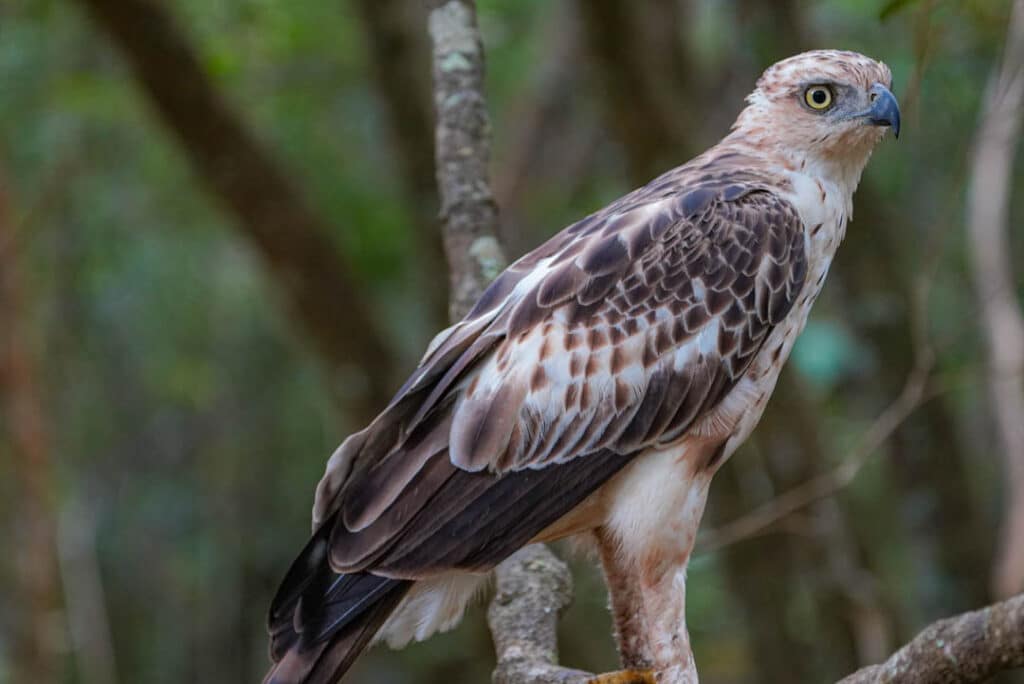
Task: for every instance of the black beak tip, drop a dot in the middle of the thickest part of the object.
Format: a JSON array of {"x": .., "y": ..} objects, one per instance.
[{"x": 885, "y": 110}]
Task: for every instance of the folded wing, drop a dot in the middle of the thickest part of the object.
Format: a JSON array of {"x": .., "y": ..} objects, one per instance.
[{"x": 617, "y": 334}]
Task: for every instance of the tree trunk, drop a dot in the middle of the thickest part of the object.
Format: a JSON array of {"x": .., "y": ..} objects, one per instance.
[
  {"x": 641, "y": 68},
  {"x": 37, "y": 596},
  {"x": 294, "y": 242},
  {"x": 398, "y": 55},
  {"x": 988, "y": 225}
]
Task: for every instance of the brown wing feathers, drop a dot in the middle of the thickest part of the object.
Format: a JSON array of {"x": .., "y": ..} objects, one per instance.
[{"x": 645, "y": 316}]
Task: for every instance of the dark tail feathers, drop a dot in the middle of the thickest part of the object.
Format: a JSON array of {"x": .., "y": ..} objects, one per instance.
[{"x": 320, "y": 621}]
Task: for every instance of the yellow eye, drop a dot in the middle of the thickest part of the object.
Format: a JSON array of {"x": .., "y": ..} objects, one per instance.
[{"x": 818, "y": 97}]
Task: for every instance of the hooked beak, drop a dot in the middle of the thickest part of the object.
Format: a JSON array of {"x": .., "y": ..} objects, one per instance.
[{"x": 884, "y": 110}]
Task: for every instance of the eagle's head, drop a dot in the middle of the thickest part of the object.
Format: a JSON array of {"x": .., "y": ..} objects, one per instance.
[{"x": 822, "y": 110}]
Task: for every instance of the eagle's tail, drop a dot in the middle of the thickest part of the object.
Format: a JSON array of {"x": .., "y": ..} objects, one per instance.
[{"x": 320, "y": 621}]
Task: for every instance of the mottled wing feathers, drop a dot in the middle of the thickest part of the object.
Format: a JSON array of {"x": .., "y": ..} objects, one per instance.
[
  {"x": 618, "y": 333},
  {"x": 686, "y": 292},
  {"x": 690, "y": 284}
]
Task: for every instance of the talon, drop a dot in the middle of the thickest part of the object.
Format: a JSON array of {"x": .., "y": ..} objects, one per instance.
[{"x": 624, "y": 677}]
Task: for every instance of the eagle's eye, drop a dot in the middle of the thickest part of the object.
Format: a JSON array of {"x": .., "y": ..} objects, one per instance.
[{"x": 818, "y": 97}]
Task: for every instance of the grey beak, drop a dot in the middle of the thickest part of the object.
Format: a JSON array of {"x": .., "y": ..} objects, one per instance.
[{"x": 885, "y": 110}]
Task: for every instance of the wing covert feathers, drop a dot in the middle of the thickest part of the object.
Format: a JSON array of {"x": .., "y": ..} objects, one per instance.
[{"x": 617, "y": 334}]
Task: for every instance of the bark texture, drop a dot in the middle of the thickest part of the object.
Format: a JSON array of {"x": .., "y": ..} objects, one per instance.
[
  {"x": 469, "y": 214},
  {"x": 270, "y": 212},
  {"x": 968, "y": 648},
  {"x": 988, "y": 204},
  {"x": 534, "y": 589}
]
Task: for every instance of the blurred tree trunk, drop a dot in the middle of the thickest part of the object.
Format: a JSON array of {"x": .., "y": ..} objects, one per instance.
[
  {"x": 772, "y": 29},
  {"x": 84, "y": 596},
  {"x": 398, "y": 55},
  {"x": 550, "y": 108},
  {"x": 761, "y": 579},
  {"x": 648, "y": 85},
  {"x": 988, "y": 206},
  {"x": 38, "y": 605},
  {"x": 295, "y": 243}
]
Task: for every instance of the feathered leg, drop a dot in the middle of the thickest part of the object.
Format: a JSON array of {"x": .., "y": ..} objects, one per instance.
[
  {"x": 648, "y": 604},
  {"x": 645, "y": 557},
  {"x": 663, "y": 600},
  {"x": 630, "y": 633},
  {"x": 624, "y": 598}
]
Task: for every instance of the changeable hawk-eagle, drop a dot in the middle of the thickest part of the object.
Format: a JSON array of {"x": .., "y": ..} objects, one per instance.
[{"x": 594, "y": 389}]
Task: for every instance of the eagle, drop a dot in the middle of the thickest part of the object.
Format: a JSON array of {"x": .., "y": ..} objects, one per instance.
[{"x": 593, "y": 390}]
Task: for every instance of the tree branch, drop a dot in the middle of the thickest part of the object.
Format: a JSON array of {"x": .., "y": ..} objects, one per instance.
[
  {"x": 469, "y": 213},
  {"x": 294, "y": 242},
  {"x": 533, "y": 586},
  {"x": 534, "y": 589},
  {"x": 967, "y": 648}
]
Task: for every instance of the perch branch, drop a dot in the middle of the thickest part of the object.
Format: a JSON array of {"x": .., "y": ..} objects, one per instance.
[
  {"x": 469, "y": 214},
  {"x": 533, "y": 585},
  {"x": 534, "y": 589},
  {"x": 970, "y": 647}
]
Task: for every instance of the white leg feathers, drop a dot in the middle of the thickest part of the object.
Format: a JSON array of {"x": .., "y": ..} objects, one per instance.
[
  {"x": 645, "y": 548},
  {"x": 432, "y": 606}
]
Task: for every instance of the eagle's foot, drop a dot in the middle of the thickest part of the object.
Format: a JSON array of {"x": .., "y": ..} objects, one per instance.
[{"x": 624, "y": 677}]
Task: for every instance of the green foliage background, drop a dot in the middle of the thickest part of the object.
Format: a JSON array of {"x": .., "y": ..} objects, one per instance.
[{"x": 190, "y": 421}]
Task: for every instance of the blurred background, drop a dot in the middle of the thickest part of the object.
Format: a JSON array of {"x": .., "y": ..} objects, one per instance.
[{"x": 219, "y": 255}]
